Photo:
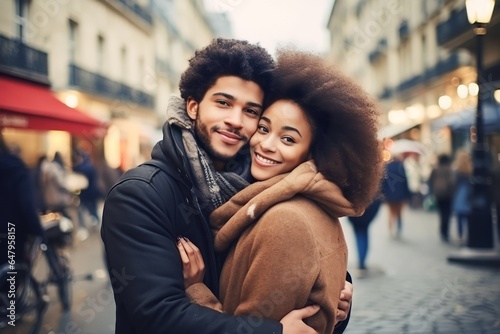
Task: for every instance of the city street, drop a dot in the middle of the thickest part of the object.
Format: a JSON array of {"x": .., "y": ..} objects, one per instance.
[
  {"x": 93, "y": 309},
  {"x": 410, "y": 287}
]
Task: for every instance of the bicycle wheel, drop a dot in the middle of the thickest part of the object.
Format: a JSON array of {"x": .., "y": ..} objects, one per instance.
[
  {"x": 61, "y": 276},
  {"x": 65, "y": 286},
  {"x": 30, "y": 304}
]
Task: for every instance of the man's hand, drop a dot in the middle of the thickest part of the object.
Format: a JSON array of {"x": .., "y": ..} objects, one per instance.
[
  {"x": 293, "y": 322},
  {"x": 344, "y": 302}
]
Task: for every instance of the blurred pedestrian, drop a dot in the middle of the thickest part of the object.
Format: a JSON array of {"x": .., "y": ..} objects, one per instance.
[
  {"x": 88, "y": 196},
  {"x": 462, "y": 166},
  {"x": 395, "y": 193},
  {"x": 414, "y": 174},
  {"x": 56, "y": 197},
  {"x": 18, "y": 213},
  {"x": 107, "y": 176},
  {"x": 360, "y": 225},
  {"x": 37, "y": 182},
  {"x": 442, "y": 187}
]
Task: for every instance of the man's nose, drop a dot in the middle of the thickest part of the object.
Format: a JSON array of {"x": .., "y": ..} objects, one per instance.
[{"x": 235, "y": 118}]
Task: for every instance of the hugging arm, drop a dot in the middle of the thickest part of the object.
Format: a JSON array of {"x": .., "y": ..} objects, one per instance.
[
  {"x": 193, "y": 268},
  {"x": 198, "y": 292},
  {"x": 146, "y": 271}
]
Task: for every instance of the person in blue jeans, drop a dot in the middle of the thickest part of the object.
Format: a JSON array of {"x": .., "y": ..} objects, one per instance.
[
  {"x": 462, "y": 166},
  {"x": 360, "y": 225}
]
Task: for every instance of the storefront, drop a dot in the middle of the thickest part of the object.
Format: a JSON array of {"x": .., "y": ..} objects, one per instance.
[{"x": 36, "y": 122}]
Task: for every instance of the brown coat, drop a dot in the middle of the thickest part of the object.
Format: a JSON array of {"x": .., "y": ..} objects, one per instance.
[{"x": 287, "y": 248}]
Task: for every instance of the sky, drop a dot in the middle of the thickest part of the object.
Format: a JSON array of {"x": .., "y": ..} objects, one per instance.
[{"x": 279, "y": 22}]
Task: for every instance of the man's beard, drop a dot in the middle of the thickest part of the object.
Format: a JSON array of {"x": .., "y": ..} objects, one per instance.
[{"x": 203, "y": 136}]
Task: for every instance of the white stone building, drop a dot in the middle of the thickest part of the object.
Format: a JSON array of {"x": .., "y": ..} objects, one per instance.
[
  {"x": 116, "y": 61},
  {"x": 417, "y": 57}
]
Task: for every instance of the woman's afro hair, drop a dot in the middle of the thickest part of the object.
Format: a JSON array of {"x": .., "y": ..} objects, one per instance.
[
  {"x": 344, "y": 121},
  {"x": 226, "y": 57}
]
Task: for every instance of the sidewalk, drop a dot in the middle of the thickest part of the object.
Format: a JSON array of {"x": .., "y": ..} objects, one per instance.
[{"x": 412, "y": 288}]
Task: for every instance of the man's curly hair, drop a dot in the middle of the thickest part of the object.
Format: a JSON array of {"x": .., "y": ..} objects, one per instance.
[
  {"x": 226, "y": 57},
  {"x": 344, "y": 122}
]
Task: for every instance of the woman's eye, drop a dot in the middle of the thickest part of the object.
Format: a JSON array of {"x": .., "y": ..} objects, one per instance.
[
  {"x": 262, "y": 129},
  {"x": 289, "y": 140}
]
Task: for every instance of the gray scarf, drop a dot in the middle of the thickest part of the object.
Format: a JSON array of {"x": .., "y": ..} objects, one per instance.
[{"x": 214, "y": 188}]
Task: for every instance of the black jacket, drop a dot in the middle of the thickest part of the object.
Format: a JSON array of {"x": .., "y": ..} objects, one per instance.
[
  {"x": 144, "y": 213},
  {"x": 18, "y": 212}
]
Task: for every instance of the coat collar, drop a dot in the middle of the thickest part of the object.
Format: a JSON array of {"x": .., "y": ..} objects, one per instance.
[{"x": 247, "y": 206}]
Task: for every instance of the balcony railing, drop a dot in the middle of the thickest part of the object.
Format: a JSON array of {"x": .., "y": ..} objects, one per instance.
[
  {"x": 99, "y": 85},
  {"x": 15, "y": 56},
  {"x": 413, "y": 81},
  {"x": 379, "y": 50},
  {"x": 138, "y": 10},
  {"x": 386, "y": 93},
  {"x": 374, "y": 55},
  {"x": 442, "y": 67},
  {"x": 455, "y": 26}
]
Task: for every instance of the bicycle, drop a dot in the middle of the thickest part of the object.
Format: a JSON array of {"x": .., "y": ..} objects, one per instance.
[
  {"x": 58, "y": 235},
  {"x": 22, "y": 298},
  {"x": 24, "y": 287}
]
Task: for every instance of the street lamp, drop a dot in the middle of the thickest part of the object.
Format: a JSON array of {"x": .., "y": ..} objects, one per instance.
[{"x": 481, "y": 237}]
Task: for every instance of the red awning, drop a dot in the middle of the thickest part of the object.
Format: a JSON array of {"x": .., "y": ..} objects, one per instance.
[{"x": 30, "y": 106}]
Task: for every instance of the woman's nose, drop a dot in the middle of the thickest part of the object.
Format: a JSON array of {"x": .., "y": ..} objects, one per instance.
[{"x": 268, "y": 144}]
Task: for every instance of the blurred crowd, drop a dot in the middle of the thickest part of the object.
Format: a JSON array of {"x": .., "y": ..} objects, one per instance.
[
  {"x": 448, "y": 190},
  {"x": 74, "y": 188}
]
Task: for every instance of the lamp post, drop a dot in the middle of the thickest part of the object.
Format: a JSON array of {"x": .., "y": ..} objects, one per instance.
[{"x": 480, "y": 237}]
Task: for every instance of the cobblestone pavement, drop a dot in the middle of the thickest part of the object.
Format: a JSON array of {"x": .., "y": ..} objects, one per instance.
[{"x": 410, "y": 286}]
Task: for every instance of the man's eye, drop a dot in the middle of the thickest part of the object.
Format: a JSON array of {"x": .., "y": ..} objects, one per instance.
[
  {"x": 253, "y": 112},
  {"x": 222, "y": 102}
]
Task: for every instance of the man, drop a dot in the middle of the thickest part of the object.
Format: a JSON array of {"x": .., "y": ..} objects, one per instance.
[
  {"x": 18, "y": 213},
  {"x": 192, "y": 172}
]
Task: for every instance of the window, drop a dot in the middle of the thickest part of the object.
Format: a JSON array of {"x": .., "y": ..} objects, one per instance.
[
  {"x": 73, "y": 42},
  {"x": 424, "y": 52},
  {"x": 20, "y": 20},
  {"x": 100, "y": 54},
  {"x": 123, "y": 60},
  {"x": 142, "y": 74},
  {"x": 404, "y": 61}
]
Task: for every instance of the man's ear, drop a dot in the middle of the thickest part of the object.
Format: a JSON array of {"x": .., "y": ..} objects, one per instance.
[{"x": 192, "y": 108}]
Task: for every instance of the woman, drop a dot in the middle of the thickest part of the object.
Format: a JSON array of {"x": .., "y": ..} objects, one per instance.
[
  {"x": 284, "y": 243},
  {"x": 396, "y": 193}
]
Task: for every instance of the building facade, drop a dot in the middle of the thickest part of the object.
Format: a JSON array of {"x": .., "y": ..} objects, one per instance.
[
  {"x": 418, "y": 59},
  {"x": 117, "y": 61}
]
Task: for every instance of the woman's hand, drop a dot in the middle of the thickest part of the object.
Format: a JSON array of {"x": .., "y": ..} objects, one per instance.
[{"x": 193, "y": 267}]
